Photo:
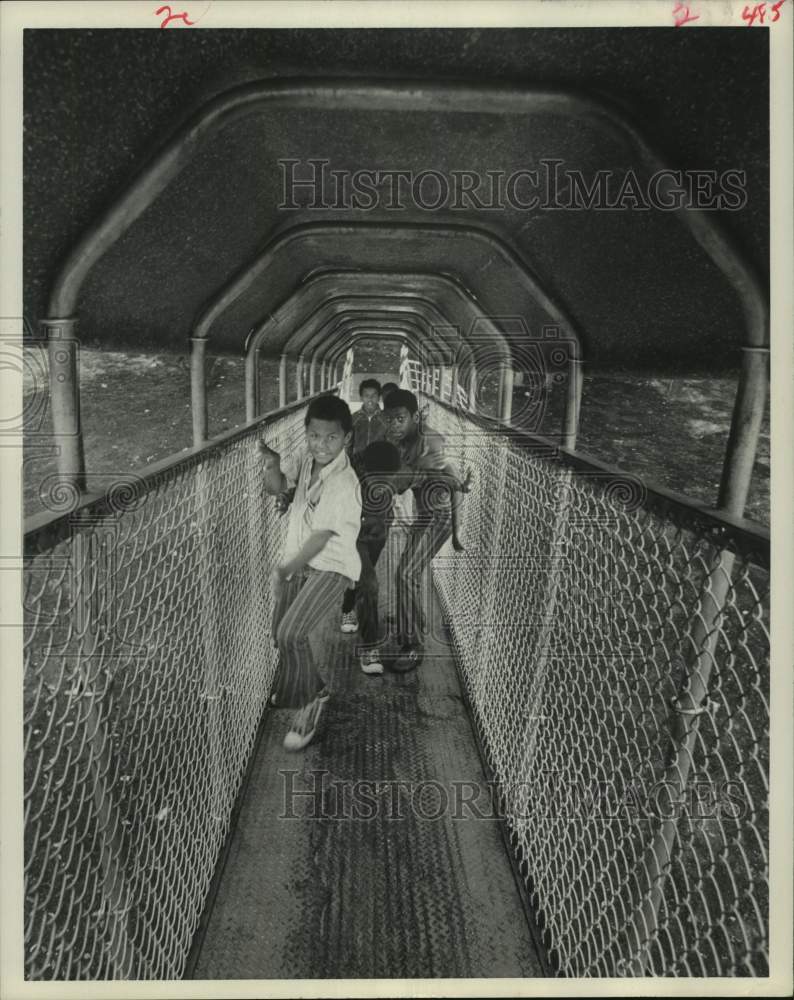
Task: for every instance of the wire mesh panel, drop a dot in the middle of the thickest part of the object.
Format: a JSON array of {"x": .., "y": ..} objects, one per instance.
[
  {"x": 614, "y": 644},
  {"x": 148, "y": 660}
]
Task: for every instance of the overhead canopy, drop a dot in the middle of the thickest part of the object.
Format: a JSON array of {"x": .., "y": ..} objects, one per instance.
[
  {"x": 634, "y": 284},
  {"x": 452, "y": 322}
]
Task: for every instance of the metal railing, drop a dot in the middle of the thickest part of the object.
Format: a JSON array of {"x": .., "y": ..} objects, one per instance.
[
  {"x": 613, "y": 644},
  {"x": 148, "y": 660},
  {"x": 612, "y": 641}
]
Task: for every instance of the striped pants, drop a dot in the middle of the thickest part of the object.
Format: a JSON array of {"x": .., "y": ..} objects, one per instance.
[
  {"x": 302, "y": 610},
  {"x": 425, "y": 537}
]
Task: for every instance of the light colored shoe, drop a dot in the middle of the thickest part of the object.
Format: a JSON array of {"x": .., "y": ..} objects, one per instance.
[
  {"x": 304, "y": 723},
  {"x": 349, "y": 622},
  {"x": 370, "y": 662}
]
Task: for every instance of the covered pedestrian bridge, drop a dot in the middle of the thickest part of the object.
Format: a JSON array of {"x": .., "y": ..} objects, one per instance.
[{"x": 575, "y": 781}]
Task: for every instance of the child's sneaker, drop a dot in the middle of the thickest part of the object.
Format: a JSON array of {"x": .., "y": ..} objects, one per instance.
[
  {"x": 304, "y": 723},
  {"x": 371, "y": 662},
  {"x": 349, "y": 622},
  {"x": 408, "y": 658}
]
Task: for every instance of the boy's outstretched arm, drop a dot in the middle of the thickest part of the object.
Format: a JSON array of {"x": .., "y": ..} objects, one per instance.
[
  {"x": 275, "y": 480},
  {"x": 313, "y": 545},
  {"x": 458, "y": 485}
]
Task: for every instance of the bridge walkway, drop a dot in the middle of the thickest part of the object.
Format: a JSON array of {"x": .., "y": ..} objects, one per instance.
[{"x": 401, "y": 878}]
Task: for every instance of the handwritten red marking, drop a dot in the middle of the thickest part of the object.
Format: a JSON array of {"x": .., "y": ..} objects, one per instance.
[
  {"x": 749, "y": 15},
  {"x": 682, "y": 15},
  {"x": 776, "y": 9},
  {"x": 172, "y": 17}
]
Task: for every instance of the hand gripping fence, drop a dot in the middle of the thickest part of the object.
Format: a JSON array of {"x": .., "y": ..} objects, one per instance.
[
  {"x": 612, "y": 642},
  {"x": 148, "y": 659},
  {"x": 613, "y": 645}
]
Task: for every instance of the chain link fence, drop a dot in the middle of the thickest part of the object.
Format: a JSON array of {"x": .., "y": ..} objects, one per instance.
[
  {"x": 613, "y": 643},
  {"x": 148, "y": 660}
]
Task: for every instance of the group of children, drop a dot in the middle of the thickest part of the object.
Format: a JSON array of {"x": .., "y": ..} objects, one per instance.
[{"x": 340, "y": 491}]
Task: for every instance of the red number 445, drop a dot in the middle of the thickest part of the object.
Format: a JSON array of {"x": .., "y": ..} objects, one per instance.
[{"x": 759, "y": 12}]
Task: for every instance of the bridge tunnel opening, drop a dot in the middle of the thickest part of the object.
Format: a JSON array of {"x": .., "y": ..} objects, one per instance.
[{"x": 496, "y": 812}]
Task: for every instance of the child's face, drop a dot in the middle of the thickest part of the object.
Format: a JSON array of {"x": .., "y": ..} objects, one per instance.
[
  {"x": 370, "y": 400},
  {"x": 402, "y": 423},
  {"x": 325, "y": 439}
]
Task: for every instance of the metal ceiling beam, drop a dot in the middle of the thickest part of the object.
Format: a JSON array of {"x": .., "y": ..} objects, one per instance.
[
  {"x": 392, "y": 95},
  {"x": 393, "y": 327},
  {"x": 315, "y": 294}
]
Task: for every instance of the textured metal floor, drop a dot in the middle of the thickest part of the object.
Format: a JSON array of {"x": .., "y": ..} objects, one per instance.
[{"x": 401, "y": 894}]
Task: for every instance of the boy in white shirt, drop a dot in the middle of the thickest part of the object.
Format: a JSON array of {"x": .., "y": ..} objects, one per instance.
[{"x": 320, "y": 559}]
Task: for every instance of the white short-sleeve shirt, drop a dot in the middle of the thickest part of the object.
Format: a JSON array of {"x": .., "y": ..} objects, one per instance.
[{"x": 333, "y": 504}]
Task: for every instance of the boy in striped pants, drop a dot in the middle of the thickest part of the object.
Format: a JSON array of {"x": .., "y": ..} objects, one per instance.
[{"x": 320, "y": 559}]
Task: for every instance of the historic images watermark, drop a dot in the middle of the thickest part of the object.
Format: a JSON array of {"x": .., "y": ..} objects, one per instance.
[
  {"x": 316, "y": 185},
  {"x": 315, "y": 795}
]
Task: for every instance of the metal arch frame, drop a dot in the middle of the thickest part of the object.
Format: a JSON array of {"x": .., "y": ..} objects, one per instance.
[
  {"x": 405, "y": 322},
  {"x": 401, "y": 299},
  {"x": 400, "y": 324},
  {"x": 397, "y": 331},
  {"x": 426, "y": 320},
  {"x": 409, "y": 322},
  {"x": 385, "y": 95},
  {"x": 492, "y": 245},
  {"x": 403, "y": 327},
  {"x": 397, "y": 286},
  {"x": 339, "y": 351},
  {"x": 396, "y": 291},
  {"x": 376, "y": 95},
  {"x": 330, "y": 325}
]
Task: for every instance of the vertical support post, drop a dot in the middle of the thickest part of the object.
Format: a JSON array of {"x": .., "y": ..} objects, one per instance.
[
  {"x": 573, "y": 403},
  {"x": 299, "y": 377},
  {"x": 282, "y": 381},
  {"x": 62, "y": 351},
  {"x": 687, "y": 707},
  {"x": 312, "y": 377},
  {"x": 198, "y": 389},
  {"x": 257, "y": 382},
  {"x": 506, "y": 394},
  {"x": 473, "y": 388},
  {"x": 692, "y": 698},
  {"x": 454, "y": 385},
  {"x": 403, "y": 366},
  {"x": 748, "y": 412},
  {"x": 347, "y": 377},
  {"x": 559, "y": 545},
  {"x": 251, "y": 384}
]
